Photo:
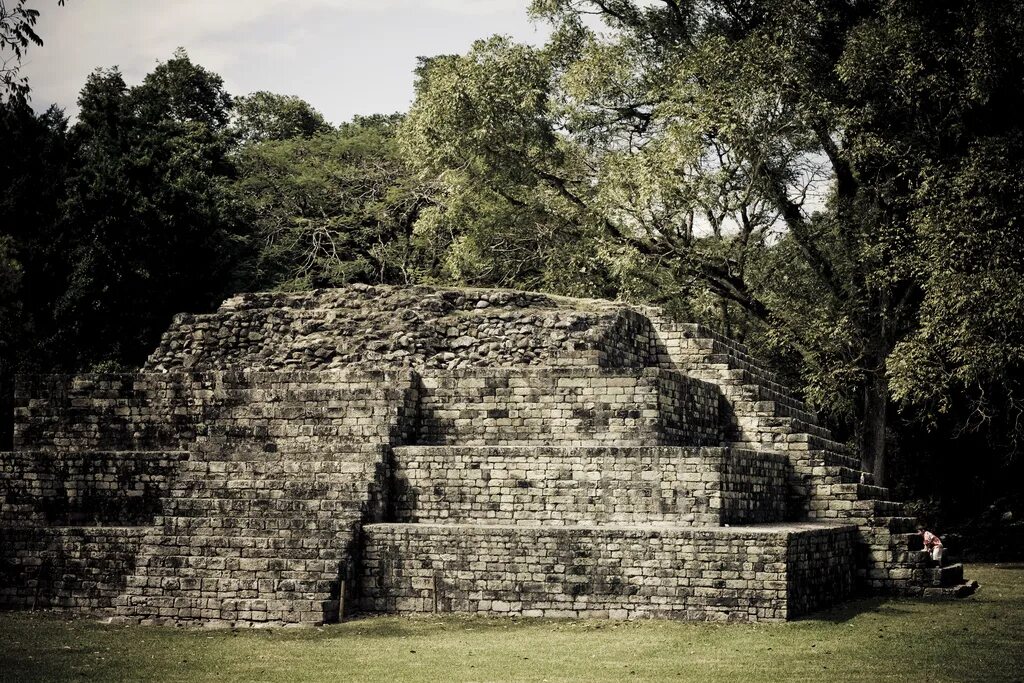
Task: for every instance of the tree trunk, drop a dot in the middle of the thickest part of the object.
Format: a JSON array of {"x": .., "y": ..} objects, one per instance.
[{"x": 876, "y": 408}]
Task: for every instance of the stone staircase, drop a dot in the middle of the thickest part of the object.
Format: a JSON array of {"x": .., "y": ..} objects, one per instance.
[
  {"x": 592, "y": 492},
  {"x": 260, "y": 525},
  {"x": 826, "y": 480}
]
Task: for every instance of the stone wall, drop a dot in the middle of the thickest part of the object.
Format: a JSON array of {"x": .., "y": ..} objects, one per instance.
[
  {"x": 419, "y": 327},
  {"x": 79, "y": 568},
  {"x": 105, "y": 412},
  {"x": 262, "y": 523},
  {"x": 257, "y": 525},
  {"x": 726, "y": 574},
  {"x": 822, "y": 568},
  {"x": 567, "y": 406},
  {"x": 168, "y": 411},
  {"x": 610, "y": 485},
  {"x": 45, "y": 488},
  {"x": 571, "y": 458},
  {"x": 753, "y": 485},
  {"x": 826, "y": 481}
]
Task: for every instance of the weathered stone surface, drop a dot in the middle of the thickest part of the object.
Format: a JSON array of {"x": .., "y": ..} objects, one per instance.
[
  {"x": 295, "y": 457},
  {"x": 569, "y": 406},
  {"x": 44, "y": 488},
  {"x": 529, "y": 485},
  {"x": 711, "y": 574},
  {"x": 420, "y": 327},
  {"x": 79, "y": 568}
]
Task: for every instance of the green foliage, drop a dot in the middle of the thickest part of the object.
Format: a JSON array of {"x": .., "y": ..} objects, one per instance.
[
  {"x": 17, "y": 33},
  {"x": 839, "y": 172},
  {"x": 146, "y": 231},
  {"x": 33, "y": 171},
  {"x": 178, "y": 92},
  {"x": 510, "y": 208},
  {"x": 971, "y": 265},
  {"x": 329, "y": 209},
  {"x": 263, "y": 116}
]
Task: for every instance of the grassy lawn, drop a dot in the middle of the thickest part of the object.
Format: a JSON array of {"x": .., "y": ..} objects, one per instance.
[{"x": 980, "y": 638}]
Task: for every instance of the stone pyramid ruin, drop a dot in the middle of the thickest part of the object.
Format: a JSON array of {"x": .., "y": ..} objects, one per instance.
[{"x": 297, "y": 458}]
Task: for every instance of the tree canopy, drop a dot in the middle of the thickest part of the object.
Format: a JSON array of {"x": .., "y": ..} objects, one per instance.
[
  {"x": 816, "y": 167},
  {"x": 263, "y": 116}
]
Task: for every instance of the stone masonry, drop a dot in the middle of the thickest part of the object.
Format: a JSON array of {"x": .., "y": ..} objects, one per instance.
[{"x": 295, "y": 458}]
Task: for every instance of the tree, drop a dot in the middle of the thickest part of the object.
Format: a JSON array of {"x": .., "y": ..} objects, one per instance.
[
  {"x": 783, "y": 155},
  {"x": 263, "y": 116},
  {"x": 147, "y": 229},
  {"x": 17, "y": 33},
  {"x": 513, "y": 203},
  {"x": 330, "y": 209},
  {"x": 33, "y": 169}
]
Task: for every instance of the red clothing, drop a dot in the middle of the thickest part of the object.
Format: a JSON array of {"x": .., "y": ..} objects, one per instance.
[{"x": 931, "y": 541}]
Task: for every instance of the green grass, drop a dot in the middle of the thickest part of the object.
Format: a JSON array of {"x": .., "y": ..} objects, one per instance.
[{"x": 979, "y": 638}]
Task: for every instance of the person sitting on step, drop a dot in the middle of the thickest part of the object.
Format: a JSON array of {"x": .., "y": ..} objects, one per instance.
[{"x": 933, "y": 544}]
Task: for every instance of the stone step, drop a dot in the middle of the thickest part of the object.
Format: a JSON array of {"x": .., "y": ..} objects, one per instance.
[
  {"x": 895, "y": 524},
  {"x": 294, "y": 496},
  {"x": 838, "y": 474},
  {"x": 340, "y": 476},
  {"x": 565, "y": 486},
  {"x": 235, "y": 507},
  {"x": 792, "y": 425},
  {"x": 874, "y": 507},
  {"x": 697, "y": 333},
  {"x": 961, "y": 590},
  {"x": 761, "y": 407},
  {"x": 883, "y": 537},
  {"x": 271, "y": 452},
  {"x": 281, "y": 467},
  {"x": 830, "y": 458},
  {"x": 173, "y": 524},
  {"x": 737, "y": 371},
  {"x": 306, "y": 607},
  {"x": 270, "y": 486},
  {"x": 872, "y": 492},
  {"x": 242, "y": 557},
  {"x": 949, "y": 575},
  {"x": 861, "y": 492},
  {"x": 810, "y": 442},
  {"x": 606, "y": 571}
]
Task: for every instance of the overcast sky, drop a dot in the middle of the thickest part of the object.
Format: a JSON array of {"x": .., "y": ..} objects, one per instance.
[{"x": 345, "y": 57}]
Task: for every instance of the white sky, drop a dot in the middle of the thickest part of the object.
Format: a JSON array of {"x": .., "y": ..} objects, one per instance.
[{"x": 344, "y": 57}]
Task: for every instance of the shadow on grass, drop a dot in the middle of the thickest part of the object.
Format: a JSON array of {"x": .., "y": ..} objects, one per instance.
[
  {"x": 883, "y": 605},
  {"x": 849, "y": 610}
]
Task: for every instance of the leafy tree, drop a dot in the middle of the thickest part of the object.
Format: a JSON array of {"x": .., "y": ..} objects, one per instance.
[
  {"x": 33, "y": 169},
  {"x": 146, "y": 229},
  {"x": 784, "y": 155},
  {"x": 17, "y": 33},
  {"x": 329, "y": 209},
  {"x": 263, "y": 116},
  {"x": 513, "y": 203}
]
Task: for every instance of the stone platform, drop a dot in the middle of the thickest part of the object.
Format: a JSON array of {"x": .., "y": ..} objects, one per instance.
[
  {"x": 751, "y": 573},
  {"x": 295, "y": 458}
]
